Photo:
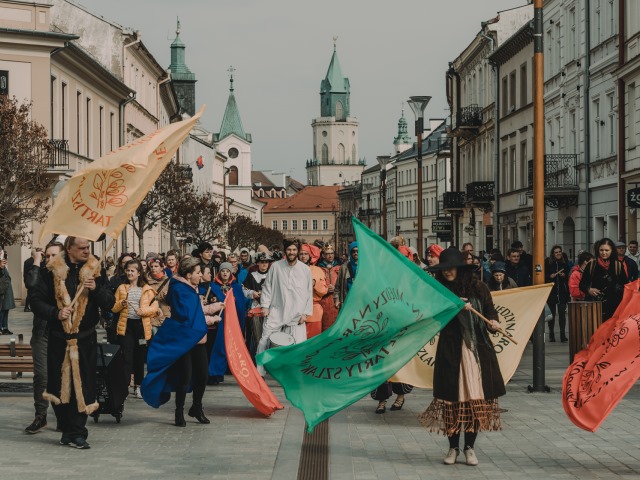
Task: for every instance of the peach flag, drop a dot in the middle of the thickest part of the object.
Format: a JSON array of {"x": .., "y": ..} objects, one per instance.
[
  {"x": 252, "y": 384},
  {"x": 104, "y": 196},
  {"x": 602, "y": 374}
]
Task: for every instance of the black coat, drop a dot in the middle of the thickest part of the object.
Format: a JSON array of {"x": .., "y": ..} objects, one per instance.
[
  {"x": 446, "y": 374},
  {"x": 519, "y": 272},
  {"x": 560, "y": 291},
  {"x": 609, "y": 281}
]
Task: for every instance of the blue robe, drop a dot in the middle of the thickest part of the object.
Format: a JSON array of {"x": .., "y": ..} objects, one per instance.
[
  {"x": 178, "y": 334},
  {"x": 218, "y": 361}
]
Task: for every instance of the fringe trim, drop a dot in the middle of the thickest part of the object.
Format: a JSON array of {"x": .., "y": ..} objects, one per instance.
[
  {"x": 51, "y": 397},
  {"x": 450, "y": 418}
]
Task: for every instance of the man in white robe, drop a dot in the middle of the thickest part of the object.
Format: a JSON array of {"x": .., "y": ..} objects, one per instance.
[{"x": 287, "y": 298}]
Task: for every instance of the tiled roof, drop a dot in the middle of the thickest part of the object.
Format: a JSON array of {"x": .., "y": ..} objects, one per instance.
[
  {"x": 257, "y": 177},
  {"x": 309, "y": 199}
]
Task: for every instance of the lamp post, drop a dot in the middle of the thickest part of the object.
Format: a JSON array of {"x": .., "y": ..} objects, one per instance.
[
  {"x": 418, "y": 104},
  {"x": 383, "y": 194}
]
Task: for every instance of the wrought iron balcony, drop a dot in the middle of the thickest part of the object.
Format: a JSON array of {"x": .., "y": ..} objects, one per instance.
[
  {"x": 561, "y": 185},
  {"x": 453, "y": 201},
  {"x": 58, "y": 154},
  {"x": 468, "y": 121},
  {"x": 368, "y": 212},
  {"x": 480, "y": 193}
]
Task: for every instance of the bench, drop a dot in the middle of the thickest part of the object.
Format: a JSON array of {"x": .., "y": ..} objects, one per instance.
[{"x": 16, "y": 357}]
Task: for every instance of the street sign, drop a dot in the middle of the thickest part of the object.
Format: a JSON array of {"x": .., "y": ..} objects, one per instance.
[
  {"x": 633, "y": 198},
  {"x": 441, "y": 225}
]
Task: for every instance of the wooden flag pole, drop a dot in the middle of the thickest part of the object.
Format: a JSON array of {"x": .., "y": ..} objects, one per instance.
[{"x": 488, "y": 322}]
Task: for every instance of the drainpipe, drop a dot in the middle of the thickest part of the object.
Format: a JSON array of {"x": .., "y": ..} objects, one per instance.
[
  {"x": 456, "y": 177},
  {"x": 622, "y": 211},
  {"x": 587, "y": 125},
  {"x": 496, "y": 140}
]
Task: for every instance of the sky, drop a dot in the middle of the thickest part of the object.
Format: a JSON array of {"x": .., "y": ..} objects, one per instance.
[{"x": 281, "y": 49}]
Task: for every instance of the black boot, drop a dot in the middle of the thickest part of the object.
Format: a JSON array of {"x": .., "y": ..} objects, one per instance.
[
  {"x": 552, "y": 337},
  {"x": 180, "y": 421},
  {"x": 196, "y": 412},
  {"x": 563, "y": 338}
]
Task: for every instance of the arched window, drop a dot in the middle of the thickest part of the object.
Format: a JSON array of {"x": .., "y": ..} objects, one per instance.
[
  {"x": 353, "y": 155},
  {"x": 339, "y": 111},
  {"x": 325, "y": 154},
  {"x": 340, "y": 153},
  {"x": 233, "y": 175}
]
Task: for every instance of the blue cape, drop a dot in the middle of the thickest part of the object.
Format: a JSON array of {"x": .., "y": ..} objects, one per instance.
[{"x": 177, "y": 336}]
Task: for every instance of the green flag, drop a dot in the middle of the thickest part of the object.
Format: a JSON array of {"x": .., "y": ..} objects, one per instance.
[{"x": 393, "y": 309}]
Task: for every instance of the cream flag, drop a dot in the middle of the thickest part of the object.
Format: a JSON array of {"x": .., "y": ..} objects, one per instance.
[
  {"x": 518, "y": 309},
  {"x": 104, "y": 196}
]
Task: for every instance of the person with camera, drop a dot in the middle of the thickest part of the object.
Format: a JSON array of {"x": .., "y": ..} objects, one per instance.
[
  {"x": 556, "y": 270},
  {"x": 604, "y": 278}
]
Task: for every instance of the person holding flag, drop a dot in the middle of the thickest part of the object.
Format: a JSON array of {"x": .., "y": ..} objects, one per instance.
[{"x": 467, "y": 380}]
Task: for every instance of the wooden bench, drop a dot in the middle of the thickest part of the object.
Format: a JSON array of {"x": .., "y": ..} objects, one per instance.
[{"x": 16, "y": 357}]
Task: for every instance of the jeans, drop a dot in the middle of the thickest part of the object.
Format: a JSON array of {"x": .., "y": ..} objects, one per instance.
[
  {"x": 4, "y": 319},
  {"x": 39, "y": 352}
]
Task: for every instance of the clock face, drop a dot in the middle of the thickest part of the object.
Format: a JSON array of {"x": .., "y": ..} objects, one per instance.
[{"x": 233, "y": 152}]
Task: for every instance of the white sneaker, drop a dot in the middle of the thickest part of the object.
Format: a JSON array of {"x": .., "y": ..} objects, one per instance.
[
  {"x": 470, "y": 455},
  {"x": 138, "y": 393},
  {"x": 452, "y": 454}
]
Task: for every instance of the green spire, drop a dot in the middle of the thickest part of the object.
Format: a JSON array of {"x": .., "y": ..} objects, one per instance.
[
  {"x": 334, "y": 81},
  {"x": 178, "y": 67},
  {"x": 231, "y": 122},
  {"x": 403, "y": 135}
]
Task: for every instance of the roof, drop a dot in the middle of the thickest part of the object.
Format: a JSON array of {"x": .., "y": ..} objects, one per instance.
[
  {"x": 260, "y": 179},
  {"x": 309, "y": 199},
  {"x": 374, "y": 168},
  {"x": 335, "y": 81},
  {"x": 231, "y": 122}
]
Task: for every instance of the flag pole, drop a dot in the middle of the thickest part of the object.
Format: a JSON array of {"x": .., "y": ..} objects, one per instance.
[{"x": 488, "y": 322}]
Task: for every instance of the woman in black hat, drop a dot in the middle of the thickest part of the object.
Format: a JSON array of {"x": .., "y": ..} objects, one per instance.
[{"x": 467, "y": 380}]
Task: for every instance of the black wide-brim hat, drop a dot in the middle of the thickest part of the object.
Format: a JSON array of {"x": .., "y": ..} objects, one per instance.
[{"x": 450, "y": 258}]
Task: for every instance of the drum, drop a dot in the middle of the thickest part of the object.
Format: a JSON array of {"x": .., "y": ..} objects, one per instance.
[{"x": 280, "y": 339}]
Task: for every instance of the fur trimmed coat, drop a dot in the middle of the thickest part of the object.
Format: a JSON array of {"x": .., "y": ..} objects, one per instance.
[
  {"x": 54, "y": 290},
  {"x": 148, "y": 309}
]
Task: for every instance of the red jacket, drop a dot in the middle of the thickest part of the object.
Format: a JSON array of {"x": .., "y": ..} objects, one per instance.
[{"x": 574, "y": 283}]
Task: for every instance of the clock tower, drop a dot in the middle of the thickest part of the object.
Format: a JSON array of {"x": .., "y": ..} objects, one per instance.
[{"x": 335, "y": 158}]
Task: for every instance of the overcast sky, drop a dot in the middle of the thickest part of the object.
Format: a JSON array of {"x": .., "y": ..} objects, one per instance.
[{"x": 281, "y": 49}]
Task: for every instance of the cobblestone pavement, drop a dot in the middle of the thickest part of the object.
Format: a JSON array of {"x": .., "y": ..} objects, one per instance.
[{"x": 537, "y": 440}]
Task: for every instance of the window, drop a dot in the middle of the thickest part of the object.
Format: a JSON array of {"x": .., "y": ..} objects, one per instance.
[
  {"x": 523, "y": 164},
  {"x": 596, "y": 22},
  {"x": 233, "y": 175},
  {"x": 513, "y": 172},
  {"x": 111, "y": 132},
  {"x": 612, "y": 123},
  {"x": 63, "y": 106},
  {"x": 631, "y": 115},
  {"x": 285, "y": 225},
  {"x": 78, "y": 107},
  {"x": 53, "y": 104},
  {"x": 340, "y": 154},
  {"x": 523, "y": 85},
  {"x": 294, "y": 224},
  {"x": 512, "y": 91},
  {"x": 612, "y": 18},
  {"x": 88, "y": 120},
  {"x": 304, "y": 225},
  {"x": 325, "y": 154},
  {"x": 598, "y": 129},
  {"x": 354, "y": 160},
  {"x": 505, "y": 170},
  {"x": 314, "y": 224},
  {"x": 274, "y": 224},
  {"x": 573, "y": 134},
  {"x": 339, "y": 112},
  {"x": 550, "y": 136},
  {"x": 505, "y": 96},
  {"x": 571, "y": 43},
  {"x": 101, "y": 129},
  {"x": 325, "y": 224}
]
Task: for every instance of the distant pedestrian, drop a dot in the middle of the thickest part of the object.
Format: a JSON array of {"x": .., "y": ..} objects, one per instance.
[
  {"x": 517, "y": 269},
  {"x": 633, "y": 253},
  {"x": 499, "y": 280},
  {"x": 629, "y": 264},
  {"x": 575, "y": 277},
  {"x": 7, "y": 300},
  {"x": 557, "y": 270}
]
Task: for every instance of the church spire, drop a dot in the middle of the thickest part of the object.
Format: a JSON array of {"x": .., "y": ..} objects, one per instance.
[
  {"x": 183, "y": 80},
  {"x": 335, "y": 90},
  {"x": 402, "y": 141},
  {"x": 231, "y": 121}
]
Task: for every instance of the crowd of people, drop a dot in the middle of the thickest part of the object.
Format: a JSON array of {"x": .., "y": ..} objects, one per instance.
[{"x": 167, "y": 313}]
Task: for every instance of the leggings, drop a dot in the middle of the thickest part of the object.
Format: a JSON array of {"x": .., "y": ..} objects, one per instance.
[
  {"x": 469, "y": 438},
  {"x": 194, "y": 370}
]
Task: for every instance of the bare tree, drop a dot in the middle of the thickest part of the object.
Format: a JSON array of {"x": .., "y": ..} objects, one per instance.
[
  {"x": 200, "y": 220},
  {"x": 246, "y": 232},
  {"x": 25, "y": 155}
]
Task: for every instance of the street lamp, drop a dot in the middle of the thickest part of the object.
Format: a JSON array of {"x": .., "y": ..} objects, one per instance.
[
  {"x": 418, "y": 104},
  {"x": 383, "y": 161}
]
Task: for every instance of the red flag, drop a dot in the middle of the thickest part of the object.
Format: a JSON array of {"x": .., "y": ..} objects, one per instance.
[
  {"x": 241, "y": 365},
  {"x": 602, "y": 374}
]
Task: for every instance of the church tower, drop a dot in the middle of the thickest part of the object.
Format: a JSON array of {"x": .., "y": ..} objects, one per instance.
[
  {"x": 184, "y": 81},
  {"x": 402, "y": 141},
  {"x": 233, "y": 142},
  {"x": 335, "y": 133}
]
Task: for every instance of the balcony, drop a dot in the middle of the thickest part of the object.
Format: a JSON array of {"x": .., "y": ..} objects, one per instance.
[
  {"x": 468, "y": 121},
  {"x": 452, "y": 201},
  {"x": 479, "y": 194},
  {"x": 368, "y": 212},
  {"x": 58, "y": 154},
  {"x": 561, "y": 186}
]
